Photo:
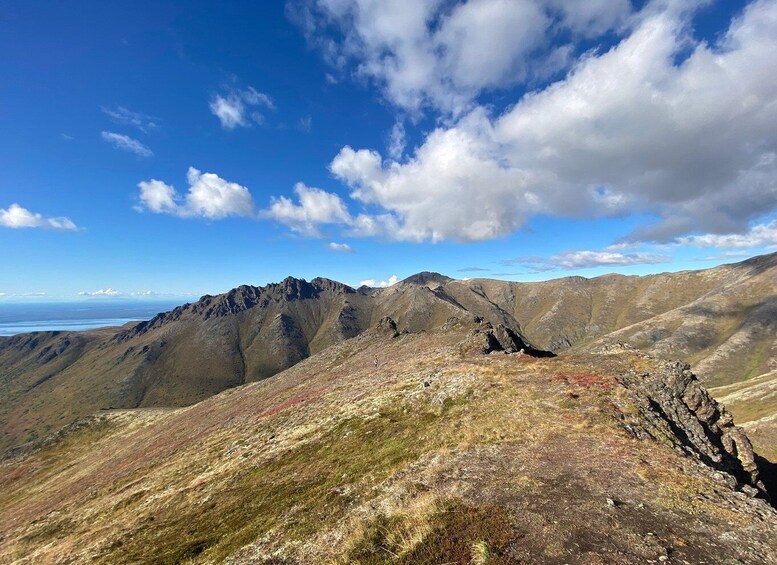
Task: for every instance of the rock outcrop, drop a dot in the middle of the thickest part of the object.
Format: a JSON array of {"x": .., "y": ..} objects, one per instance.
[
  {"x": 490, "y": 339},
  {"x": 388, "y": 327},
  {"x": 675, "y": 407}
]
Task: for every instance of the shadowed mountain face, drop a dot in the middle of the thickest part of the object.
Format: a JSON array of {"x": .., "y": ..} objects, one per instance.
[{"x": 723, "y": 320}]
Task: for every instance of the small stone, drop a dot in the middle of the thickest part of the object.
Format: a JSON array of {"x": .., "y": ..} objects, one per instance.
[
  {"x": 611, "y": 502},
  {"x": 750, "y": 491}
]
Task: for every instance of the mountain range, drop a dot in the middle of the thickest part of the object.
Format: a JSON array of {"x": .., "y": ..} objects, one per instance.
[
  {"x": 436, "y": 420},
  {"x": 721, "y": 320}
]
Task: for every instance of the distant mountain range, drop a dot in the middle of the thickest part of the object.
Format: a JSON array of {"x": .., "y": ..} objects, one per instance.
[{"x": 722, "y": 320}]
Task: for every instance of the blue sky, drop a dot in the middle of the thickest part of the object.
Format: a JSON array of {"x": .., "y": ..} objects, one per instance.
[{"x": 185, "y": 148}]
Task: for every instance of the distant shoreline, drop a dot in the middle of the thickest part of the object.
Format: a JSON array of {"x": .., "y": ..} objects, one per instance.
[
  {"x": 18, "y": 318},
  {"x": 61, "y": 325}
]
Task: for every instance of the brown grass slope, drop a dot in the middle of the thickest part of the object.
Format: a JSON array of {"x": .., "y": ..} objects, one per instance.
[
  {"x": 730, "y": 302},
  {"x": 438, "y": 455},
  {"x": 754, "y": 404}
]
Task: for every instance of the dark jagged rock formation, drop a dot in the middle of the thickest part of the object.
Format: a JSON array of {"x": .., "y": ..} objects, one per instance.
[
  {"x": 388, "y": 326},
  {"x": 683, "y": 412},
  {"x": 490, "y": 339},
  {"x": 675, "y": 407}
]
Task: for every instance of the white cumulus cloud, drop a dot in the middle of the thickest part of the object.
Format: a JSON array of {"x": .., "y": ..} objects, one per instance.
[
  {"x": 209, "y": 196},
  {"x": 443, "y": 54},
  {"x": 126, "y": 143},
  {"x": 392, "y": 280},
  {"x": 660, "y": 123},
  {"x": 315, "y": 207},
  {"x": 17, "y": 217}
]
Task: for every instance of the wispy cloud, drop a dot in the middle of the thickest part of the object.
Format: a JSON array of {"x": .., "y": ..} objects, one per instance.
[
  {"x": 758, "y": 235},
  {"x": 340, "y": 247},
  {"x": 238, "y": 107},
  {"x": 124, "y": 116},
  {"x": 17, "y": 217},
  {"x": 397, "y": 141},
  {"x": 111, "y": 292},
  {"x": 472, "y": 270},
  {"x": 729, "y": 255},
  {"x": 24, "y": 295},
  {"x": 573, "y": 260},
  {"x": 305, "y": 123},
  {"x": 101, "y": 292},
  {"x": 126, "y": 143}
]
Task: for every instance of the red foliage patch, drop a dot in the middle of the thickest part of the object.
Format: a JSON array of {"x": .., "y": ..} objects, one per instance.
[
  {"x": 293, "y": 401},
  {"x": 587, "y": 380}
]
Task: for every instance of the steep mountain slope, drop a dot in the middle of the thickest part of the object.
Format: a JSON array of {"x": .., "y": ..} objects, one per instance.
[
  {"x": 729, "y": 333},
  {"x": 754, "y": 405},
  {"x": 730, "y": 303},
  {"x": 440, "y": 454},
  {"x": 723, "y": 320}
]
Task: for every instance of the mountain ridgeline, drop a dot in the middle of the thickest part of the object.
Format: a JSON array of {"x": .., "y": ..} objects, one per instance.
[{"x": 723, "y": 320}]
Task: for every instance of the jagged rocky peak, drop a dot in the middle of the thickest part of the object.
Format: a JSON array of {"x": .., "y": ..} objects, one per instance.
[
  {"x": 242, "y": 298},
  {"x": 427, "y": 278},
  {"x": 292, "y": 288},
  {"x": 332, "y": 286}
]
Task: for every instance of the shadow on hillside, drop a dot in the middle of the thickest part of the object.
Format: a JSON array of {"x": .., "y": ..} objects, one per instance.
[
  {"x": 764, "y": 307},
  {"x": 768, "y": 472},
  {"x": 758, "y": 264}
]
